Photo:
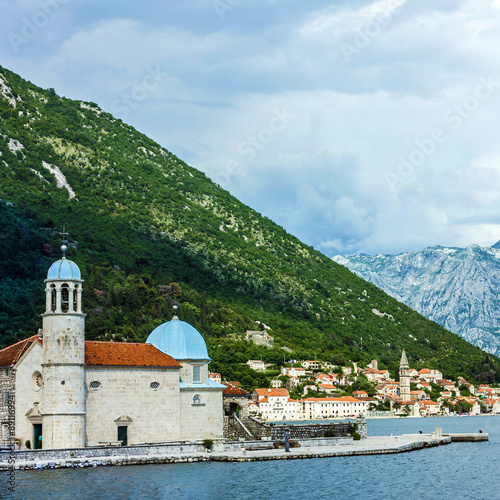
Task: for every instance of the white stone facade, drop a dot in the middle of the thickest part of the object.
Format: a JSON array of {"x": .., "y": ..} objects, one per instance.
[
  {"x": 122, "y": 396},
  {"x": 317, "y": 408},
  {"x": 275, "y": 405}
]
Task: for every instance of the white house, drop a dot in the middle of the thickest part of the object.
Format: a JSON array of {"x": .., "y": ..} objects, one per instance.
[
  {"x": 275, "y": 404},
  {"x": 294, "y": 371},
  {"x": 256, "y": 364},
  {"x": 347, "y": 406},
  {"x": 430, "y": 375}
]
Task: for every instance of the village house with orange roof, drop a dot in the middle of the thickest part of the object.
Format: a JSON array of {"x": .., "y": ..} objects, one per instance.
[
  {"x": 376, "y": 375},
  {"x": 423, "y": 384},
  {"x": 330, "y": 378},
  {"x": 419, "y": 395},
  {"x": 346, "y": 406},
  {"x": 430, "y": 375},
  {"x": 274, "y": 404},
  {"x": 294, "y": 371},
  {"x": 492, "y": 405},
  {"x": 446, "y": 384},
  {"x": 328, "y": 388},
  {"x": 388, "y": 389},
  {"x": 446, "y": 395},
  {"x": 430, "y": 408},
  {"x": 216, "y": 377},
  {"x": 360, "y": 394}
]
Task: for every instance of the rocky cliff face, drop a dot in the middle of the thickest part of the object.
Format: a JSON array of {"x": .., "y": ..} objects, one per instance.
[{"x": 456, "y": 287}]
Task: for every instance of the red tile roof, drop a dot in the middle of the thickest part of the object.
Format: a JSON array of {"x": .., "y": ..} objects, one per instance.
[
  {"x": 344, "y": 399},
  {"x": 232, "y": 390},
  {"x": 271, "y": 392},
  {"x": 126, "y": 354},
  {"x": 12, "y": 354},
  {"x": 101, "y": 353}
]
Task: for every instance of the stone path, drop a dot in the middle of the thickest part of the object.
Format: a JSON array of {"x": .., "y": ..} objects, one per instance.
[{"x": 369, "y": 446}]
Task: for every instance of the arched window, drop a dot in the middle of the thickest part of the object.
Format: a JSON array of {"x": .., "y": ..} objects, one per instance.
[
  {"x": 64, "y": 298},
  {"x": 53, "y": 297},
  {"x": 75, "y": 298},
  {"x": 197, "y": 399}
]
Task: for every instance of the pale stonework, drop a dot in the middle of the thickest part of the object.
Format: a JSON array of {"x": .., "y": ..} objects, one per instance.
[
  {"x": 126, "y": 392},
  {"x": 77, "y": 405},
  {"x": 27, "y": 395}
]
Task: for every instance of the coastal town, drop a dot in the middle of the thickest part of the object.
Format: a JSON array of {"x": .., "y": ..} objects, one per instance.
[{"x": 315, "y": 389}]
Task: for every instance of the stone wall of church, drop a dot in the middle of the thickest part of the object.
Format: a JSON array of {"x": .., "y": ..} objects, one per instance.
[
  {"x": 125, "y": 393},
  {"x": 186, "y": 372},
  {"x": 29, "y": 393},
  {"x": 7, "y": 398},
  {"x": 202, "y": 414}
]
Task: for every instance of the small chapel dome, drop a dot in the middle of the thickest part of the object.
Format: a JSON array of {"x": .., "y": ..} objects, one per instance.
[
  {"x": 179, "y": 340},
  {"x": 64, "y": 269}
]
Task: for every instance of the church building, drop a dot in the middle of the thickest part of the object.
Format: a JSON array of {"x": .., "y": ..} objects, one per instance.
[{"x": 61, "y": 391}]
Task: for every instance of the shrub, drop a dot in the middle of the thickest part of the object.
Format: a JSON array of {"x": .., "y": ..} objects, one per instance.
[
  {"x": 331, "y": 431},
  {"x": 208, "y": 443}
]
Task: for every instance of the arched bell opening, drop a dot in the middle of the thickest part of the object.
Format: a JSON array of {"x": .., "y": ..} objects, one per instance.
[
  {"x": 75, "y": 298},
  {"x": 53, "y": 298},
  {"x": 65, "y": 298}
]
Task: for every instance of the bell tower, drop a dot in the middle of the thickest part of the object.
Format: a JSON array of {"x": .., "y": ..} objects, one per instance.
[
  {"x": 63, "y": 367},
  {"x": 404, "y": 378}
]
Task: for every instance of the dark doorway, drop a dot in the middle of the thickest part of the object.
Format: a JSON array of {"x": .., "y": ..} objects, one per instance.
[
  {"x": 233, "y": 408},
  {"x": 37, "y": 436},
  {"x": 122, "y": 434}
]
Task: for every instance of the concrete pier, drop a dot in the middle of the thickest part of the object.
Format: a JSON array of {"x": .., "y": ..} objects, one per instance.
[
  {"x": 468, "y": 437},
  {"x": 369, "y": 446}
]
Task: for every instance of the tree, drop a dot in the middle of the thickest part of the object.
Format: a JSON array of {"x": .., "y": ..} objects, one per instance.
[
  {"x": 462, "y": 406},
  {"x": 464, "y": 390}
]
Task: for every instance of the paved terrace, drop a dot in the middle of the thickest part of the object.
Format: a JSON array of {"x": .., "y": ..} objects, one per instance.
[{"x": 369, "y": 446}]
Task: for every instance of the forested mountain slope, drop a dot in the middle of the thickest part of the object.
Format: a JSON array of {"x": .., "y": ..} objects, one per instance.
[{"x": 139, "y": 217}]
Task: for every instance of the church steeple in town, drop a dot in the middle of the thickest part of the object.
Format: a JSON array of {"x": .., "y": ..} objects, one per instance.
[{"x": 404, "y": 378}]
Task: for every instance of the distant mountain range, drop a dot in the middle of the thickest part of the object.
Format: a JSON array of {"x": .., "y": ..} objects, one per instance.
[{"x": 455, "y": 287}]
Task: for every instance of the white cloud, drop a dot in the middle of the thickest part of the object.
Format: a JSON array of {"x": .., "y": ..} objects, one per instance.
[{"x": 323, "y": 175}]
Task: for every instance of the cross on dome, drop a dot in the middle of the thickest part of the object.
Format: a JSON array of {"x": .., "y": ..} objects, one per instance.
[{"x": 64, "y": 247}]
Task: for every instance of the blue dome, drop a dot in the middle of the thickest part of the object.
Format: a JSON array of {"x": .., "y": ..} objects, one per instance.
[
  {"x": 64, "y": 270},
  {"x": 180, "y": 340}
]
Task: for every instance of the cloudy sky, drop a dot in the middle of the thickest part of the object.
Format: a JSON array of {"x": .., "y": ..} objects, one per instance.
[{"x": 359, "y": 126}]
